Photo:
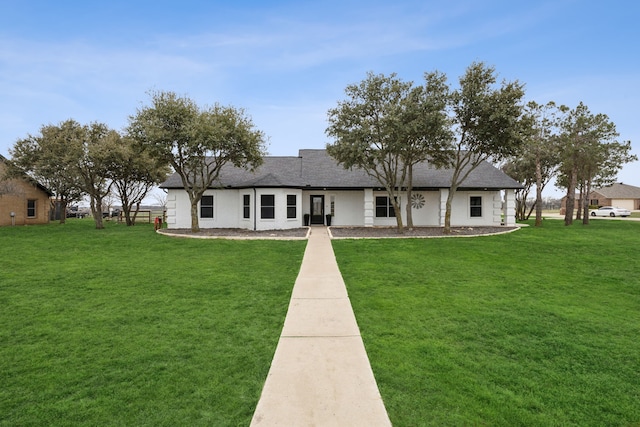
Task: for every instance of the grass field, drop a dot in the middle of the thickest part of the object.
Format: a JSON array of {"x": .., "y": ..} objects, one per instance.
[
  {"x": 540, "y": 327},
  {"x": 123, "y": 326}
]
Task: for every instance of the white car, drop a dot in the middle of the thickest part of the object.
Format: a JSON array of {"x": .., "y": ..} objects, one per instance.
[{"x": 611, "y": 211}]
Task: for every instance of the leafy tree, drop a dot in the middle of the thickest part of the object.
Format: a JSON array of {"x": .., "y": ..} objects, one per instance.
[
  {"x": 134, "y": 173},
  {"x": 427, "y": 131},
  {"x": 488, "y": 124},
  {"x": 521, "y": 168},
  {"x": 368, "y": 131},
  {"x": 539, "y": 155},
  {"x": 590, "y": 154},
  {"x": 601, "y": 169},
  {"x": 95, "y": 165},
  {"x": 386, "y": 126},
  {"x": 196, "y": 142},
  {"x": 49, "y": 158}
]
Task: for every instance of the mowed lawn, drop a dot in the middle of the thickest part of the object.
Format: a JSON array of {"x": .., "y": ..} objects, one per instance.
[
  {"x": 123, "y": 326},
  {"x": 540, "y": 327}
]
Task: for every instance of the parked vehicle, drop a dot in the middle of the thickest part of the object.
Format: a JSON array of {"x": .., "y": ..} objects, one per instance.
[
  {"x": 111, "y": 213},
  {"x": 611, "y": 211}
]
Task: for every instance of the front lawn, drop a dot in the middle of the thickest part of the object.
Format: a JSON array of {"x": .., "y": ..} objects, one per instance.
[
  {"x": 122, "y": 326},
  {"x": 538, "y": 327}
]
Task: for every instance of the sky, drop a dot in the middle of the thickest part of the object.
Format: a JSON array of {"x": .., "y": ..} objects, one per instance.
[{"x": 286, "y": 63}]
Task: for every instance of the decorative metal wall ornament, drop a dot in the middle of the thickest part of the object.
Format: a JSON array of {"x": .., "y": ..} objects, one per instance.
[{"x": 417, "y": 201}]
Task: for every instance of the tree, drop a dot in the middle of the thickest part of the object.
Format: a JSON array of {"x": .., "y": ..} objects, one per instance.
[
  {"x": 521, "y": 168},
  {"x": 386, "y": 127},
  {"x": 134, "y": 174},
  {"x": 428, "y": 129},
  {"x": 49, "y": 159},
  {"x": 196, "y": 142},
  {"x": 540, "y": 151},
  {"x": 367, "y": 129},
  {"x": 590, "y": 153},
  {"x": 95, "y": 165},
  {"x": 488, "y": 123}
]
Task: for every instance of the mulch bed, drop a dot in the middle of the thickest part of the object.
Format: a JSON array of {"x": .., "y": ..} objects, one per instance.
[
  {"x": 391, "y": 232},
  {"x": 337, "y": 232}
]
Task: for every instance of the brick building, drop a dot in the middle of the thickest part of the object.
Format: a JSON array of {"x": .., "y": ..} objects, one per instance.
[{"x": 22, "y": 200}]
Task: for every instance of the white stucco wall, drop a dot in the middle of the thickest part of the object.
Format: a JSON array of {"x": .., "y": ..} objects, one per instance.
[
  {"x": 491, "y": 209},
  {"x": 228, "y": 209},
  {"x": 350, "y": 208}
]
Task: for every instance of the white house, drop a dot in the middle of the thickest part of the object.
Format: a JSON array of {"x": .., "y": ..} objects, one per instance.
[{"x": 286, "y": 191}]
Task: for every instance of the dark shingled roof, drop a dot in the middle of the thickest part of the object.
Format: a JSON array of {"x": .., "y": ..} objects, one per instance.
[{"x": 316, "y": 169}]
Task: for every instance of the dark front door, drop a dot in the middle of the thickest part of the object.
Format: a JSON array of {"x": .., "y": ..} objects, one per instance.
[{"x": 317, "y": 210}]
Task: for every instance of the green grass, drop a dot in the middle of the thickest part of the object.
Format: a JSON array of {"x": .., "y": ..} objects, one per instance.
[
  {"x": 538, "y": 327},
  {"x": 126, "y": 327}
]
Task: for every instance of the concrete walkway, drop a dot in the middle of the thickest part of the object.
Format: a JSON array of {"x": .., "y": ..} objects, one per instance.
[{"x": 320, "y": 374}]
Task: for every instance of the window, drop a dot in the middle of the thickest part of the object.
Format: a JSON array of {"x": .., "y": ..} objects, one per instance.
[
  {"x": 246, "y": 206},
  {"x": 291, "y": 205},
  {"x": 267, "y": 206},
  {"x": 31, "y": 208},
  {"x": 475, "y": 206},
  {"x": 206, "y": 207},
  {"x": 384, "y": 208}
]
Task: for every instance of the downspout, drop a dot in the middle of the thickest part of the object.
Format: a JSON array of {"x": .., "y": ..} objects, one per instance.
[{"x": 255, "y": 209}]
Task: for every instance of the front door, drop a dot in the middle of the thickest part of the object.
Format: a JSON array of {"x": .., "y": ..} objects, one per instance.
[{"x": 317, "y": 210}]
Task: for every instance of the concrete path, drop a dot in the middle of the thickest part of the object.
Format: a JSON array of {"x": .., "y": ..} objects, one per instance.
[{"x": 320, "y": 374}]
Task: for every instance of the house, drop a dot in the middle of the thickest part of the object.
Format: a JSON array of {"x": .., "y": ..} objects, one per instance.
[
  {"x": 285, "y": 192},
  {"x": 619, "y": 194},
  {"x": 22, "y": 200}
]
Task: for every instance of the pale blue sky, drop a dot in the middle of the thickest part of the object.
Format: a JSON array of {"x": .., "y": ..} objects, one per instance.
[{"x": 287, "y": 62}]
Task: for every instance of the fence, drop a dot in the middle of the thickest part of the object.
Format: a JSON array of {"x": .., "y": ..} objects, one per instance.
[{"x": 145, "y": 216}]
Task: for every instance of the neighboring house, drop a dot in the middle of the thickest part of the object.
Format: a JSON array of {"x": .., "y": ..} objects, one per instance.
[
  {"x": 285, "y": 191},
  {"x": 22, "y": 200},
  {"x": 619, "y": 194}
]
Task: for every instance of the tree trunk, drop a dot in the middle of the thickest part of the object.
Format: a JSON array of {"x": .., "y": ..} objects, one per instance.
[
  {"x": 63, "y": 210},
  {"x": 135, "y": 214},
  {"x": 571, "y": 197},
  {"x": 409, "y": 194},
  {"x": 579, "y": 209},
  {"x": 126, "y": 208},
  {"x": 538, "y": 193},
  {"x": 398, "y": 212},
  {"x": 585, "y": 204},
  {"x": 195, "y": 225},
  {"x": 96, "y": 210},
  {"x": 447, "y": 214}
]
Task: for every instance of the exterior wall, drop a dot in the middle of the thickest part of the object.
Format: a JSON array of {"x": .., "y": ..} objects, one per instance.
[
  {"x": 491, "y": 209},
  {"x": 624, "y": 203},
  {"x": 228, "y": 209},
  {"x": 345, "y": 207},
  {"x": 429, "y": 214},
  {"x": 348, "y": 208},
  {"x": 509, "y": 214},
  {"x": 14, "y": 196}
]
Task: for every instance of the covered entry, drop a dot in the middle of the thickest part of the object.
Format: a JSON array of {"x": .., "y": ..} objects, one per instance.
[{"x": 317, "y": 210}]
